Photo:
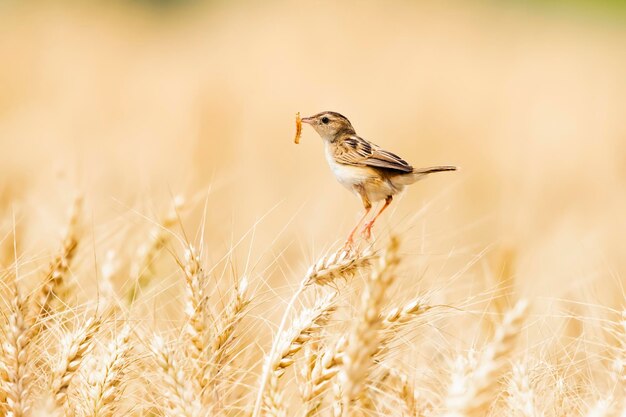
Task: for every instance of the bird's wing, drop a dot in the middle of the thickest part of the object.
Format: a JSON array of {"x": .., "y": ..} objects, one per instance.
[{"x": 357, "y": 151}]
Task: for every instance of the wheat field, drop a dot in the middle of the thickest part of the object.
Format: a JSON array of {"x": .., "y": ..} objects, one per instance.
[{"x": 166, "y": 250}]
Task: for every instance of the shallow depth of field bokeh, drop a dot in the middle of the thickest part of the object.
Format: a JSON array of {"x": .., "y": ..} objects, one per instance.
[{"x": 133, "y": 104}]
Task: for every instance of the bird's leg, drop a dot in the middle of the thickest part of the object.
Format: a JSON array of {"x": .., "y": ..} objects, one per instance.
[
  {"x": 368, "y": 206},
  {"x": 367, "y": 229},
  {"x": 350, "y": 240}
]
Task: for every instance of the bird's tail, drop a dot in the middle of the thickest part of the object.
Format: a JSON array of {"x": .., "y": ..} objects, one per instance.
[
  {"x": 430, "y": 170},
  {"x": 420, "y": 173}
]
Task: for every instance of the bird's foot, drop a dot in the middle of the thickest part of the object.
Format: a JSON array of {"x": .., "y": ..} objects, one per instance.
[
  {"x": 349, "y": 245},
  {"x": 366, "y": 232}
]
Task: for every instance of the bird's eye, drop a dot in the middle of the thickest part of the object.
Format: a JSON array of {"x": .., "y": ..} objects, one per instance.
[{"x": 325, "y": 120}]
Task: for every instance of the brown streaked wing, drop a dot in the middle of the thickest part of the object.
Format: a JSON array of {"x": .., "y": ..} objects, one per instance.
[{"x": 357, "y": 151}]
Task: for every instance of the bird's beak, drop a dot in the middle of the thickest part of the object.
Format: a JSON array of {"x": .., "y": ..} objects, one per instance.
[{"x": 308, "y": 120}]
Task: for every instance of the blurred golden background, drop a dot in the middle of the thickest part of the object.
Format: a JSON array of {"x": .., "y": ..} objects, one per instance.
[{"x": 135, "y": 103}]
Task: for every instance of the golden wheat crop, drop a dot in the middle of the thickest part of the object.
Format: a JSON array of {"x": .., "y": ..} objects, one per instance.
[
  {"x": 76, "y": 355},
  {"x": 166, "y": 250}
]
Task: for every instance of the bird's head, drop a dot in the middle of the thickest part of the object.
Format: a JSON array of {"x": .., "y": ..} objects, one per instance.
[{"x": 330, "y": 125}]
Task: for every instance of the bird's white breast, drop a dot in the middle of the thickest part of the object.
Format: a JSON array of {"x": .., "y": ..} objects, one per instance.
[
  {"x": 376, "y": 188},
  {"x": 347, "y": 175}
]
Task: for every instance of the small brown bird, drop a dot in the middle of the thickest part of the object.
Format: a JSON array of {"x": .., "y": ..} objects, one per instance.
[{"x": 364, "y": 168}]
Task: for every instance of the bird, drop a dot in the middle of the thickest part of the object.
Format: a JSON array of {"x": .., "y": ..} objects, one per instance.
[{"x": 364, "y": 168}]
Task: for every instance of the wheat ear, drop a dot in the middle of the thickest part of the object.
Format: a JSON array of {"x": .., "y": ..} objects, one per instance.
[
  {"x": 342, "y": 264},
  {"x": 396, "y": 318},
  {"x": 319, "y": 374},
  {"x": 195, "y": 330},
  {"x": 54, "y": 279},
  {"x": 142, "y": 269},
  {"x": 364, "y": 337},
  {"x": 76, "y": 347},
  {"x": 302, "y": 330},
  {"x": 324, "y": 272},
  {"x": 470, "y": 392},
  {"x": 16, "y": 377},
  {"x": 521, "y": 396},
  {"x": 602, "y": 408},
  {"x": 311, "y": 354},
  {"x": 106, "y": 383},
  {"x": 320, "y": 371},
  {"x": 182, "y": 394},
  {"x": 228, "y": 321},
  {"x": 397, "y": 382},
  {"x": 106, "y": 289}
]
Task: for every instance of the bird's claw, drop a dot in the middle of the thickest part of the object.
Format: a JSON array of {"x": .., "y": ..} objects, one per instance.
[
  {"x": 349, "y": 245},
  {"x": 366, "y": 232}
]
